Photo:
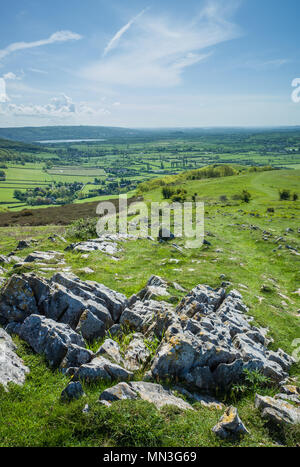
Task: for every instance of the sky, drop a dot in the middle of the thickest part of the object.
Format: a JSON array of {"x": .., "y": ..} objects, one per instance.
[{"x": 150, "y": 63}]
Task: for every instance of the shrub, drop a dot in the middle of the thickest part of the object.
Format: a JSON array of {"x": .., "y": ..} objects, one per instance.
[
  {"x": 167, "y": 192},
  {"x": 284, "y": 195},
  {"x": 246, "y": 196},
  {"x": 83, "y": 229},
  {"x": 295, "y": 197}
]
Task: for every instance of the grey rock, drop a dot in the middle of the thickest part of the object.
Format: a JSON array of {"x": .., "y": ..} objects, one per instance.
[
  {"x": 44, "y": 257},
  {"x": 47, "y": 337},
  {"x": 23, "y": 244},
  {"x": 17, "y": 300},
  {"x": 115, "y": 302},
  {"x": 101, "y": 369},
  {"x": 90, "y": 326},
  {"x": 153, "y": 393},
  {"x": 76, "y": 356},
  {"x": 165, "y": 234},
  {"x": 213, "y": 342},
  {"x": 136, "y": 353},
  {"x": 111, "y": 350},
  {"x": 72, "y": 391},
  {"x": 12, "y": 368},
  {"x": 156, "y": 287},
  {"x": 202, "y": 299},
  {"x": 143, "y": 314},
  {"x": 278, "y": 411},
  {"x": 115, "y": 330},
  {"x": 230, "y": 424}
]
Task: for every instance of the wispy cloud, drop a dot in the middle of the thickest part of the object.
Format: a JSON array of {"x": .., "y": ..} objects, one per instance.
[
  {"x": 59, "y": 36},
  {"x": 263, "y": 65},
  {"x": 114, "y": 41},
  {"x": 158, "y": 49}
]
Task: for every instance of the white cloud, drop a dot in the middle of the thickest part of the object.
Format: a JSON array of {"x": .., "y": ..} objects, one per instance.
[
  {"x": 3, "y": 95},
  {"x": 157, "y": 50},
  {"x": 114, "y": 41},
  {"x": 59, "y": 36},
  {"x": 10, "y": 76},
  {"x": 59, "y": 107}
]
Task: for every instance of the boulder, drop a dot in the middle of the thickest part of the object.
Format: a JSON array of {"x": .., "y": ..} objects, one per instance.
[
  {"x": 49, "y": 338},
  {"x": 277, "y": 411},
  {"x": 100, "y": 369},
  {"x": 76, "y": 356},
  {"x": 90, "y": 326},
  {"x": 12, "y": 368},
  {"x": 44, "y": 257},
  {"x": 23, "y": 244},
  {"x": 17, "y": 300},
  {"x": 230, "y": 424},
  {"x": 165, "y": 234},
  {"x": 72, "y": 391},
  {"x": 153, "y": 393},
  {"x": 114, "y": 302},
  {"x": 156, "y": 287}
]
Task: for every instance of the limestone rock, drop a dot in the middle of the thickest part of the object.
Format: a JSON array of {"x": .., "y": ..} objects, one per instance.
[
  {"x": 12, "y": 368},
  {"x": 136, "y": 353},
  {"x": 50, "y": 338},
  {"x": 111, "y": 350},
  {"x": 230, "y": 424},
  {"x": 154, "y": 393},
  {"x": 277, "y": 410},
  {"x": 101, "y": 369},
  {"x": 72, "y": 391}
]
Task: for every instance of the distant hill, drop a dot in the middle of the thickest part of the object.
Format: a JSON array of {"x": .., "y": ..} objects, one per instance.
[
  {"x": 34, "y": 134},
  {"x": 117, "y": 134},
  {"x": 18, "y": 145}
]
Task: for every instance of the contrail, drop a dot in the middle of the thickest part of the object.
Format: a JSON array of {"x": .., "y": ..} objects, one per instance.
[{"x": 112, "y": 43}]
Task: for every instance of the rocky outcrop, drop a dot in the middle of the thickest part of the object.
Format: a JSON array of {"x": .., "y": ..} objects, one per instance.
[
  {"x": 154, "y": 393},
  {"x": 12, "y": 368},
  {"x": 213, "y": 343},
  {"x": 106, "y": 243},
  {"x": 206, "y": 342}
]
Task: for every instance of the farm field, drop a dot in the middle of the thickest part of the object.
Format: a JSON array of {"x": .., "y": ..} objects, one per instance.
[{"x": 107, "y": 168}]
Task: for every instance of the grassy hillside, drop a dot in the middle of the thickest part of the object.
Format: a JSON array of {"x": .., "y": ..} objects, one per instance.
[{"x": 245, "y": 251}]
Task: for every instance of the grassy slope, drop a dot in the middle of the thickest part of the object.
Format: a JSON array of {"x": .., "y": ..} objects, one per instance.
[{"x": 247, "y": 260}]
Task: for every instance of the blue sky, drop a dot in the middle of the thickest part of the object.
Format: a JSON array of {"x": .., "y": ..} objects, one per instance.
[{"x": 149, "y": 63}]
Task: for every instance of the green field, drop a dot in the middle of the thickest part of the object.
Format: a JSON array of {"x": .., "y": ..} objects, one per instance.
[{"x": 142, "y": 155}]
